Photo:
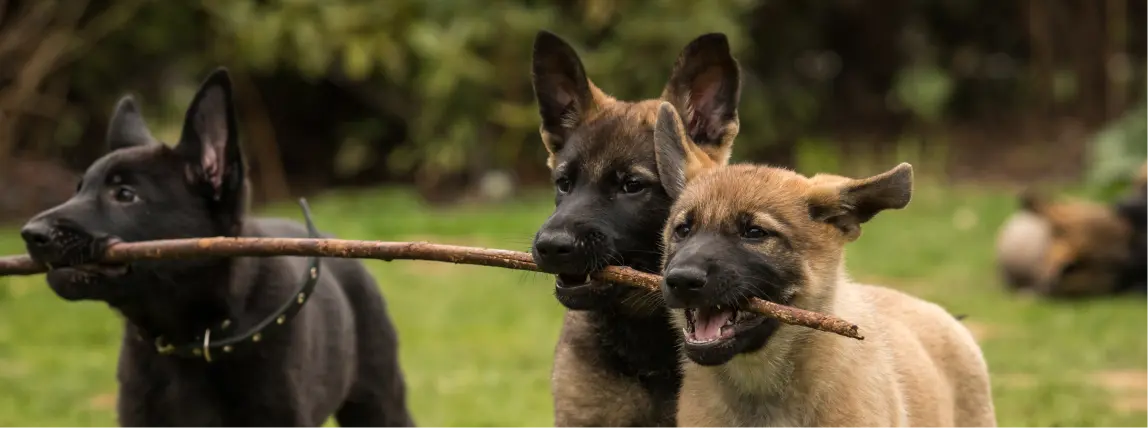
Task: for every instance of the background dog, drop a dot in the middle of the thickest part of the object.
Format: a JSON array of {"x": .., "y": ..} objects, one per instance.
[
  {"x": 1068, "y": 247},
  {"x": 338, "y": 355}
]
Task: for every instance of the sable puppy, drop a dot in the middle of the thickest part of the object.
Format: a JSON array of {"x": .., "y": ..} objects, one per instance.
[
  {"x": 614, "y": 363},
  {"x": 337, "y": 355},
  {"x": 1068, "y": 247},
  {"x": 752, "y": 231}
]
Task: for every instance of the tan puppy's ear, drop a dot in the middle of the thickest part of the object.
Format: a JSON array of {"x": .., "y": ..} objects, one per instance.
[
  {"x": 846, "y": 203},
  {"x": 670, "y": 150},
  {"x": 705, "y": 89},
  {"x": 679, "y": 160}
]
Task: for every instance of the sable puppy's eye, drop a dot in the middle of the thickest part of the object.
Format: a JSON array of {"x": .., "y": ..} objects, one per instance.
[
  {"x": 563, "y": 184},
  {"x": 125, "y": 195},
  {"x": 754, "y": 232},
  {"x": 632, "y": 185},
  {"x": 79, "y": 185},
  {"x": 682, "y": 230}
]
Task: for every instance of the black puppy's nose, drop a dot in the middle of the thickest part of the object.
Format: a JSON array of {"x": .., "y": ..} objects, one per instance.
[
  {"x": 685, "y": 278},
  {"x": 36, "y": 234},
  {"x": 554, "y": 244}
]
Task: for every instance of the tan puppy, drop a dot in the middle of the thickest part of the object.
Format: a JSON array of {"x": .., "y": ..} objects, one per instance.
[{"x": 747, "y": 231}]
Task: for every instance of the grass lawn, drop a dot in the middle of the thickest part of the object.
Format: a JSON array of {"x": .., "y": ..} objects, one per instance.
[{"x": 477, "y": 343}]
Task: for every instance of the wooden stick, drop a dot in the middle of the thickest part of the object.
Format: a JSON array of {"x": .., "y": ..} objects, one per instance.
[{"x": 345, "y": 248}]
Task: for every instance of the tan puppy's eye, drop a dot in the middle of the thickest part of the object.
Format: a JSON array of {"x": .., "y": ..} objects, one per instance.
[
  {"x": 755, "y": 232},
  {"x": 682, "y": 230}
]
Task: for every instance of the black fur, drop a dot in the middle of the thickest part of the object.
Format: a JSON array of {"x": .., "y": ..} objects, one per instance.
[
  {"x": 1133, "y": 208},
  {"x": 338, "y": 356}
]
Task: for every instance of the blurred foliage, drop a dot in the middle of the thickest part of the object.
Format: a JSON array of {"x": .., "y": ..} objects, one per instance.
[
  {"x": 459, "y": 71},
  {"x": 350, "y": 92},
  {"x": 1117, "y": 151}
]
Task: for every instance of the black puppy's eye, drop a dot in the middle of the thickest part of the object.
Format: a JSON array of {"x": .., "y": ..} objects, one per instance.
[
  {"x": 563, "y": 184},
  {"x": 754, "y": 232},
  {"x": 682, "y": 230},
  {"x": 125, "y": 195},
  {"x": 632, "y": 186}
]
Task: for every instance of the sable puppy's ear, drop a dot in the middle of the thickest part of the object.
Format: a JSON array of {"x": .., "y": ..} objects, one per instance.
[
  {"x": 847, "y": 204},
  {"x": 564, "y": 93},
  {"x": 127, "y": 127}
]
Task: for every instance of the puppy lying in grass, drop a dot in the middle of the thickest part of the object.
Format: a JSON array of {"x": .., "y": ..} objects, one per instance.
[{"x": 745, "y": 231}]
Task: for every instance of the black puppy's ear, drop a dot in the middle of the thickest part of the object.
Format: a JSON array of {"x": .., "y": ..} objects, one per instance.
[
  {"x": 127, "y": 127},
  {"x": 705, "y": 88},
  {"x": 210, "y": 141},
  {"x": 565, "y": 95}
]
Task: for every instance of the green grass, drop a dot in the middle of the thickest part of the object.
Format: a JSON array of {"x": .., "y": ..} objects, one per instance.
[{"x": 476, "y": 343}]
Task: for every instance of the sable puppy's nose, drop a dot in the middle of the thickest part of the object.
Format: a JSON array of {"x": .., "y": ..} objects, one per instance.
[
  {"x": 685, "y": 278},
  {"x": 554, "y": 244}
]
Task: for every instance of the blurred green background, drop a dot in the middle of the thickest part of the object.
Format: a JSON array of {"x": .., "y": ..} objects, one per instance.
[{"x": 415, "y": 120}]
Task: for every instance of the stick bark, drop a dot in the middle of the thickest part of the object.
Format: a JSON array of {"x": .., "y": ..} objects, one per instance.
[{"x": 382, "y": 250}]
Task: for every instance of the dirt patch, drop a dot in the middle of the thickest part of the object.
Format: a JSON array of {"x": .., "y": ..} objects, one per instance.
[
  {"x": 1129, "y": 388},
  {"x": 105, "y": 401},
  {"x": 1016, "y": 380},
  {"x": 1122, "y": 379}
]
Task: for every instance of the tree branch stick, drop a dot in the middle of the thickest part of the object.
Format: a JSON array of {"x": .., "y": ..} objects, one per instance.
[{"x": 343, "y": 248}]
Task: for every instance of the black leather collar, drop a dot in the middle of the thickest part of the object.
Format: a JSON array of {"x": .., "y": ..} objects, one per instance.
[{"x": 215, "y": 343}]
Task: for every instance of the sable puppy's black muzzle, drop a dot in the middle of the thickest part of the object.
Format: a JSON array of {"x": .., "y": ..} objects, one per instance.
[{"x": 572, "y": 250}]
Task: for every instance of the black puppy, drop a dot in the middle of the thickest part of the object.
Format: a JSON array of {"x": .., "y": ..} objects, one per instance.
[{"x": 216, "y": 342}]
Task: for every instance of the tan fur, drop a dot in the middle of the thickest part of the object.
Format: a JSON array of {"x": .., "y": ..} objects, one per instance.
[
  {"x": 583, "y": 384},
  {"x": 1036, "y": 245},
  {"x": 918, "y": 366}
]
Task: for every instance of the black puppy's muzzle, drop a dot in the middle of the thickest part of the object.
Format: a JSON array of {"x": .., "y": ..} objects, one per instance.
[{"x": 61, "y": 243}]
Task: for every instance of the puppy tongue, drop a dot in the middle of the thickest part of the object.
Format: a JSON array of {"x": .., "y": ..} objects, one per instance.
[{"x": 709, "y": 323}]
